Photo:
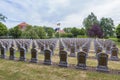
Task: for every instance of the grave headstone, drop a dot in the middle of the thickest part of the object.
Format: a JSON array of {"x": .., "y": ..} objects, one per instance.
[
  {"x": 47, "y": 57},
  {"x": 34, "y": 53},
  {"x": 72, "y": 51},
  {"x": 22, "y": 54},
  {"x": 12, "y": 52},
  {"x": 63, "y": 59},
  {"x": 81, "y": 60},
  {"x": 102, "y": 62},
  {"x": 114, "y": 53},
  {"x": 3, "y": 52}
]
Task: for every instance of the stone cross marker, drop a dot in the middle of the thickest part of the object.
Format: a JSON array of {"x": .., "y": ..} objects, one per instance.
[
  {"x": 102, "y": 62},
  {"x": 47, "y": 57},
  {"x": 81, "y": 60},
  {"x": 63, "y": 59}
]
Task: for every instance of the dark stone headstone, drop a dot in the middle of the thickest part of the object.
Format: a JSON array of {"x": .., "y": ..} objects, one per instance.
[
  {"x": 34, "y": 55},
  {"x": 63, "y": 59},
  {"x": 3, "y": 52},
  {"x": 72, "y": 51},
  {"x": 81, "y": 58},
  {"x": 114, "y": 54},
  {"x": 102, "y": 62},
  {"x": 52, "y": 49},
  {"x": 12, "y": 53},
  {"x": 22, "y": 54},
  {"x": 47, "y": 57}
]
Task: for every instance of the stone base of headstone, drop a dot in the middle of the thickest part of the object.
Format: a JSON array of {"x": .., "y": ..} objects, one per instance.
[
  {"x": 34, "y": 60},
  {"x": 3, "y": 56},
  {"x": 72, "y": 55},
  {"x": 22, "y": 59},
  {"x": 47, "y": 62},
  {"x": 114, "y": 58},
  {"x": 11, "y": 57},
  {"x": 63, "y": 64},
  {"x": 102, "y": 68},
  {"x": 81, "y": 66}
]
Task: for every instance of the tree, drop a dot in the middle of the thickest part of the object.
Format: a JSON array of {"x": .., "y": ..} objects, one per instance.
[
  {"x": 82, "y": 31},
  {"x": 89, "y": 21},
  {"x": 30, "y": 34},
  {"x": 15, "y": 32},
  {"x": 107, "y": 26},
  {"x": 2, "y": 17},
  {"x": 3, "y": 29},
  {"x": 67, "y": 30},
  {"x": 75, "y": 31},
  {"x": 49, "y": 31},
  {"x": 95, "y": 31},
  {"x": 118, "y": 32},
  {"x": 40, "y": 31}
]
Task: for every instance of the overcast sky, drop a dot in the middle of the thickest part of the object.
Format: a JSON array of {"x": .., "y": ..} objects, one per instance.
[{"x": 49, "y": 12}]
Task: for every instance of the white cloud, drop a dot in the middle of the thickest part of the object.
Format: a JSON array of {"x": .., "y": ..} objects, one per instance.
[{"x": 68, "y": 12}]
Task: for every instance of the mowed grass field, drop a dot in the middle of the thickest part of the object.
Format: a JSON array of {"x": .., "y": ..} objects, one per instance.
[{"x": 16, "y": 70}]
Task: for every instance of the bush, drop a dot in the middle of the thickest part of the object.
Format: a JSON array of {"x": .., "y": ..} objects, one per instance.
[{"x": 82, "y": 36}]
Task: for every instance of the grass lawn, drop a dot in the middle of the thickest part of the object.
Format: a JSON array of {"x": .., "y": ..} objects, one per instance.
[
  {"x": 12, "y": 70},
  {"x": 115, "y": 40}
]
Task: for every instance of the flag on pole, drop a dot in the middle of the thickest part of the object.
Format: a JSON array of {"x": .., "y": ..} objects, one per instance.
[
  {"x": 57, "y": 29},
  {"x": 58, "y": 24}
]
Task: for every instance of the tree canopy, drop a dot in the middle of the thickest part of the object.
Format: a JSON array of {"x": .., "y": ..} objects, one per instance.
[{"x": 3, "y": 29}]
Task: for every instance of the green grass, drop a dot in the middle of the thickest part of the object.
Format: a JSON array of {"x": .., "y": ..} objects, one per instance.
[
  {"x": 11, "y": 70},
  {"x": 116, "y": 41}
]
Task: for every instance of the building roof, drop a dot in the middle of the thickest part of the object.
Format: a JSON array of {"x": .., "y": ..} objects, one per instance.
[{"x": 22, "y": 25}]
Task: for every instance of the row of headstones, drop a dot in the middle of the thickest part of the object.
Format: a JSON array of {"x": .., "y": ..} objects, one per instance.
[
  {"x": 63, "y": 55},
  {"x": 106, "y": 44},
  {"x": 75, "y": 47},
  {"x": 47, "y": 44},
  {"x": 113, "y": 50},
  {"x": 26, "y": 43}
]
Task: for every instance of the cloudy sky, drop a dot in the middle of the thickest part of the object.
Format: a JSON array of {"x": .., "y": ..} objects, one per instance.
[{"x": 50, "y": 12}]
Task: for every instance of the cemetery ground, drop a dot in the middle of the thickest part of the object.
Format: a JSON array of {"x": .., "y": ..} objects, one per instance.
[{"x": 17, "y": 70}]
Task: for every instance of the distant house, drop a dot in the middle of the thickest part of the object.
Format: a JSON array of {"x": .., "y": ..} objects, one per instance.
[
  {"x": 61, "y": 31},
  {"x": 23, "y": 26}
]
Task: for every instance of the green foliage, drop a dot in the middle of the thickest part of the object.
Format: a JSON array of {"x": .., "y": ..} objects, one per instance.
[
  {"x": 75, "y": 31},
  {"x": 82, "y": 36},
  {"x": 34, "y": 32},
  {"x": 82, "y": 31},
  {"x": 67, "y": 30},
  {"x": 107, "y": 26},
  {"x": 2, "y": 17},
  {"x": 57, "y": 34},
  {"x": 15, "y": 32},
  {"x": 118, "y": 32},
  {"x": 69, "y": 35},
  {"x": 89, "y": 21},
  {"x": 3, "y": 29},
  {"x": 49, "y": 31}
]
